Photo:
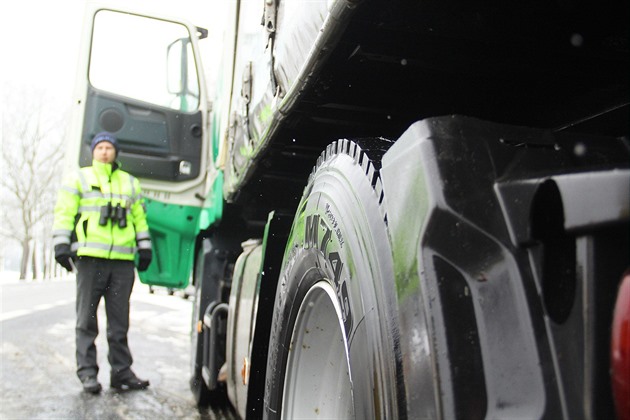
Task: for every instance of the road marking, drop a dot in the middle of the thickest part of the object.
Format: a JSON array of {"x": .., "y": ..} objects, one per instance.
[
  {"x": 14, "y": 314},
  {"x": 171, "y": 302},
  {"x": 43, "y": 307}
]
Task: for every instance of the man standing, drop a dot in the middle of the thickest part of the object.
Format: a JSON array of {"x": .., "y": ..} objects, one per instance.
[{"x": 100, "y": 223}]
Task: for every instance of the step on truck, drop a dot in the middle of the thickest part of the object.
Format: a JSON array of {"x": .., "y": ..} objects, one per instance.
[{"x": 386, "y": 208}]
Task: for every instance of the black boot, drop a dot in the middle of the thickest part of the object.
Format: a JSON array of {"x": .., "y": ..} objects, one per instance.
[
  {"x": 129, "y": 383},
  {"x": 91, "y": 385}
]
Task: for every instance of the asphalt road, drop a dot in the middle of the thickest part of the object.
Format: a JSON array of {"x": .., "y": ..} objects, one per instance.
[{"x": 37, "y": 371}]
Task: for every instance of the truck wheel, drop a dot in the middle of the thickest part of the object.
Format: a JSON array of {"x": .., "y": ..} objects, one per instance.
[
  {"x": 209, "y": 270},
  {"x": 333, "y": 351}
]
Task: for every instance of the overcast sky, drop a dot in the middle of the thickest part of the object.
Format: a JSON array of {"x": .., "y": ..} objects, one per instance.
[
  {"x": 39, "y": 42},
  {"x": 40, "y": 38}
]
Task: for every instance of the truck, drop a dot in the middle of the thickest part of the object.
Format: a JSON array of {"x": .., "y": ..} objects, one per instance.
[{"x": 386, "y": 208}]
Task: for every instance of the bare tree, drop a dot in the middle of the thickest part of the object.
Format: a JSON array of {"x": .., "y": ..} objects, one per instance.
[{"x": 31, "y": 157}]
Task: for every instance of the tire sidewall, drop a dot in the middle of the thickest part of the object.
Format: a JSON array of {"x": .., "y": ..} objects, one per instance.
[{"x": 351, "y": 252}]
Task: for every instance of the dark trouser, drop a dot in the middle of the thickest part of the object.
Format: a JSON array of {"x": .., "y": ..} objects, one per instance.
[{"x": 113, "y": 280}]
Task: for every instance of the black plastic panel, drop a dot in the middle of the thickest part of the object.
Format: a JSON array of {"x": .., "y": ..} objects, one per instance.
[{"x": 155, "y": 142}]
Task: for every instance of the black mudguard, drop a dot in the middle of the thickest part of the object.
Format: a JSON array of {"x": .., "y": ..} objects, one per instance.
[{"x": 511, "y": 242}]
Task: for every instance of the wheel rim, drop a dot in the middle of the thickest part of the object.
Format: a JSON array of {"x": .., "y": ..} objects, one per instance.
[{"x": 317, "y": 381}]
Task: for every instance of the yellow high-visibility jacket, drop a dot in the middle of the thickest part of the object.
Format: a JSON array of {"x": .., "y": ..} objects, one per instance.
[{"x": 80, "y": 205}]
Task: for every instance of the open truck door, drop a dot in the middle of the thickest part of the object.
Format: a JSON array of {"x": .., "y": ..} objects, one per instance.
[{"x": 139, "y": 77}]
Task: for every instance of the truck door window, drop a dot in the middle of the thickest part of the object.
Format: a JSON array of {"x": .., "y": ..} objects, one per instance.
[{"x": 143, "y": 58}]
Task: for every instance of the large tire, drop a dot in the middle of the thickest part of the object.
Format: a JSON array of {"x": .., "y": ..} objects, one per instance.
[
  {"x": 209, "y": 270},
  {"x": 333, "y": 349}
]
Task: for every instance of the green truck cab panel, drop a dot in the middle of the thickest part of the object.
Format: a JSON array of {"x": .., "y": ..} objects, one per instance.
[
  {"x": 173, "y": 230},
  {"x": 212, "y": 210}
]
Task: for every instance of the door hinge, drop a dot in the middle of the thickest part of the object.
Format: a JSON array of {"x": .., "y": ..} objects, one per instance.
[
  {"x": 246, "y": 86},
  {"x": 269, "y": 18}
]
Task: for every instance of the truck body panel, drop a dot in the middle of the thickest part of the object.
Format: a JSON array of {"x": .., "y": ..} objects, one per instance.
[
  {"x": 241, "y": 317},
  {"x": 378, "y": 66}
]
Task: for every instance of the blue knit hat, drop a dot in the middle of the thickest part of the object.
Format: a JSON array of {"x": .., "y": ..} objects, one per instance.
[{"x": 104, "y": 136}]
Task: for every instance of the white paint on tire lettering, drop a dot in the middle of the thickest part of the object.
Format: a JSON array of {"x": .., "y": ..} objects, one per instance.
[
  {"x": 314, "y": 223},
  {"x": 334, "y": 224}
]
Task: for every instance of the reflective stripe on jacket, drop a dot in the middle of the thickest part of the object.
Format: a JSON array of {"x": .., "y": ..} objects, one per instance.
[{"x": 79, "y": 207}]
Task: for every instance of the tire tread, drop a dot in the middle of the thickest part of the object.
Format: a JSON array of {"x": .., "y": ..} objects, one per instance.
[{"x": 366, "y": 152}]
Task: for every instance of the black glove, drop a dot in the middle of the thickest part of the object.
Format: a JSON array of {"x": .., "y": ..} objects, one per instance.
[
  {"x": 63, "y": 255},
  {"x": 145, "y": 259}
]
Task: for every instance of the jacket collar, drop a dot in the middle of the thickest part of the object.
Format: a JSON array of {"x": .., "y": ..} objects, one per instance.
[{"x": 104, "y": 168}]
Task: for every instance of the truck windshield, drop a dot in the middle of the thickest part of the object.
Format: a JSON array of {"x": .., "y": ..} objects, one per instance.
[{"x": 143, "y": 58}]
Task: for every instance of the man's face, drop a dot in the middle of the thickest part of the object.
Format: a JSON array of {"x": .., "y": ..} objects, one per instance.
[{"x": 104, "y": 152}]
